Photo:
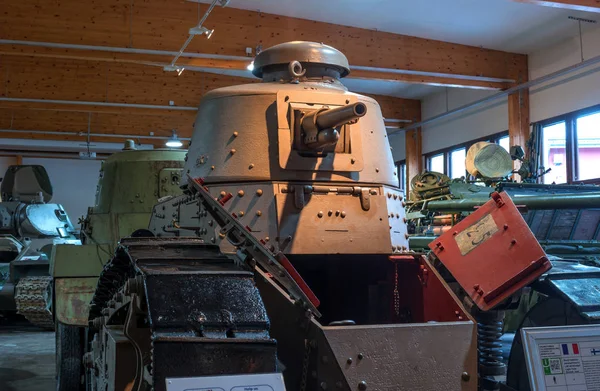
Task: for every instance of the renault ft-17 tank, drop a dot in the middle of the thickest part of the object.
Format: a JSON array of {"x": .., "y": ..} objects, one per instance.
[
  {"x": 29, "y": 226},
  {"x": 287, "y": 253},
  {"x": 129, "y": 185}
]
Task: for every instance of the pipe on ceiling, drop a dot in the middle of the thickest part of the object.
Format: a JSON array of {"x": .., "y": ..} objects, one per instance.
[
  {"x": 102, "y": 104},
  {"x": 240, "y": 58},
  {"x": 85, "y": 134},
  {"x": 501, "y": 94}
]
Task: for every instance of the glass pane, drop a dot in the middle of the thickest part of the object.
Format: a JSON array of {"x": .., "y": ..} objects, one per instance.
[
  {"x": 504, "y": 142},
  {"x": 436, "y": 163},
  {"x": 588, "y": 146},
  {"x": 457, "y": 163},
  {"x": 554, "y": 157}
]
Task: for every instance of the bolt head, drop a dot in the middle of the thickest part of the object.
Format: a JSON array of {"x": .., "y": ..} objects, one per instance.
[
  {"x": 259, "y": 192},
  {"x": 465, "y": 376},
  {"x": 362, "y": 386}
]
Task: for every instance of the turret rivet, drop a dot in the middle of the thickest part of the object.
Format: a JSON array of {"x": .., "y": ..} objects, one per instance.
[
  {"x": 241, "y": 193},
  {"x": 259, "y": 192},
  {"x": 320, "y": 214},
  {"x": 353, "y": 160},
  {"x": 223, "y": 194},
  {"x": 232, "y": 151},
  {"x": 241, "y": 213},
  {"x": 212, "y": 167},
  {"x": 251, "y": 166},
  {"x": 258, "y": 213},
  {"x": 343, "y": 214},
  {"x": 377, "y": 170},
  {"x": 235, "y": 134}
]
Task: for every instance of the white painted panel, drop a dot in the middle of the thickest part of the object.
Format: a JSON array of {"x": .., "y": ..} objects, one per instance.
[
  {"x": 465, "y": 126},
  {"x": 74, "y": 183}
]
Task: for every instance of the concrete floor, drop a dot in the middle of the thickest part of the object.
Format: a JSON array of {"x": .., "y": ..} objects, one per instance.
[{"x": 26, "y": 360}]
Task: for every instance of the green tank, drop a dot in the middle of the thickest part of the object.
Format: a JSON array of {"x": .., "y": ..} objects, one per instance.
[{"x": 129, "y": 185}]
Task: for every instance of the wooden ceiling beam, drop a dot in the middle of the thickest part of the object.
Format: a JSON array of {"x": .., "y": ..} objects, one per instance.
[
  {"x": 160, "y": 60},
  {"x": 162, "y": 25},
  {"x": 576, "y": 5}
]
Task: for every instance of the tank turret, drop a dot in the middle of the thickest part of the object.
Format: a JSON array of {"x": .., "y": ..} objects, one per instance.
[{"x": 309, "y": 162}]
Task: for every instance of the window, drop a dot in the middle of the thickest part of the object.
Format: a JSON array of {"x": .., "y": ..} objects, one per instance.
[
  {"x": 451, "y": 161},
  {"x": 554, "y": 152},
  {"x": 587, "y": 138},
  {"x": 571, "y": 147},
  {"x": 436, "y": 163},
  {"x": 401, "y": 169},
  {"x": 504, "y": 142},
  {"x": 457, "y": 163}
]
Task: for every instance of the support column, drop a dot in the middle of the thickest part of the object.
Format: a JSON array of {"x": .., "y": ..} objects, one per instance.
[
  {"x": 414, "y": 158},
  {"x": 518, "y": 122}
]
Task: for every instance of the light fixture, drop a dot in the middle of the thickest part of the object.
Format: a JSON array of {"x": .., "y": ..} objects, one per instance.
[
  {"x": 200, "y": 30},
  {"x": 250, "y": 66},
  {"x": 174, "y": 68},
  {"x": 174, "y": 141}
]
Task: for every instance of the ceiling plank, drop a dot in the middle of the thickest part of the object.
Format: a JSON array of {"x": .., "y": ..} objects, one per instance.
[
  {"x": 159, "y": 61},
  {"x": 163, "y": 25},
  {"x": 576, "y": 5}
]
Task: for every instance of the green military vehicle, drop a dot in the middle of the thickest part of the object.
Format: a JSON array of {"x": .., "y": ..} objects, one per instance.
[{"x": 129, "y": 185}]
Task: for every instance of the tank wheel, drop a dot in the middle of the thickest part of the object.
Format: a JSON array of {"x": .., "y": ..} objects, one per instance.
[
  {"x": 550, "y": 312},
  {"x": 69, "y": 353}
]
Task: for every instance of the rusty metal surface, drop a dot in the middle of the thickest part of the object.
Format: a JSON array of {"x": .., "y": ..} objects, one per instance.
[
  {"x": 72, "y": 298},
  {"x": 492, "y": 253},
  {"x": 416, "y": 357}
]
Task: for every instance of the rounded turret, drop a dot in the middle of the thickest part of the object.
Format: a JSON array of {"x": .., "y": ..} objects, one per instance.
[{"x": 263, "y": 131}]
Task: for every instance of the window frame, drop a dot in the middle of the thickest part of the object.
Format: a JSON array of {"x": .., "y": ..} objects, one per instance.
[
  {"x": 571, "y": 148},
  {"x": 402, "y": 180}
]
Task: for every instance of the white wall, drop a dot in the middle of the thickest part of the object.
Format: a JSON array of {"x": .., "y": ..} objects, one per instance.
[
  {"x": 5, "y": 162},
  {"x": 461, "y": 127},
  {"x": 73, "y": 181},
  {"x": 562, "y": 95}
]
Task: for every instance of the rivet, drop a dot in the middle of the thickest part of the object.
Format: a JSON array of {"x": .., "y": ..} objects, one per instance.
[
  {"x": 320, "y": 214},
  {"x": 353, "y": 160},
  {"x": 454, "y": 233},
  {"x": 223, "y": 194},
  {"x": 505, "y": 226},
  {"x": 212, "y": 240},
  {"x": 362, "y": 386},
  {"x": 241, "y": 213},
  {"x": 361, "y": 356},
  {"x": 404, "y": 204},
  {"x": 329, "y": 213},
  {"x": 404, "y": 220},
  {"x": 476, "y": 287},
  {"x": 212, "y": 167},
  {"x": 465, "y": 376},
  {"x": 210, "y": 223},
  {"x": 251, "y": 166},
  {"x": 232, "y": 151},
  {"x": 343, "y": 214},
  {"x": 258, "y": 213},
  {"x": 235, "y": 134},
  {"x": 389, "y": 195},
  {"x": 337, "y": 212},
  {"x": 349, "y": 360},
  {"x": 267, "y": 239},
  {"x": 395, "y": 196},
  {"x": 514, "y": 241},
  {"x": 377, "y": 170},
  {"x": 241, "y": 193},
  {"x": 259, "y": 192}
]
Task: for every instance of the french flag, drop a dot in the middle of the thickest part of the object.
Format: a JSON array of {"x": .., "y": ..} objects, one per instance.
[{"x": 571, "y": 348}]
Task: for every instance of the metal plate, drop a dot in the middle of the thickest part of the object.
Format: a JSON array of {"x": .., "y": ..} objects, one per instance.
[
  {"x": 72, "y": 300},
  {"x": 415, "y": 357},
  {"x": 260, "y": 382},
  {"x": 492, "y": 253}
]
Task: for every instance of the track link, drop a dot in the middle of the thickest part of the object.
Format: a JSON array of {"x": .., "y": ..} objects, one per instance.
[{"x": 33, "y": 296}]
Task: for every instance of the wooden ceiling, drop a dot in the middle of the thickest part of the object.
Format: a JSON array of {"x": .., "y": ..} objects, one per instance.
[{"x": 34, "y": 65}]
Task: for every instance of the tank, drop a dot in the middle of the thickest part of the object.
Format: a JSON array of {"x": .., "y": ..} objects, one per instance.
[
  {"x": 129, "y": 185},
  {"x": 287, "y": 255},
  {"x": 29, "y": 226}
]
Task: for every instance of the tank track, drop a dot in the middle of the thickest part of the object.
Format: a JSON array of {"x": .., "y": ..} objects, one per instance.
[
  {"x": 33, "y": 297},
  {"x": 176, "y": 297}
]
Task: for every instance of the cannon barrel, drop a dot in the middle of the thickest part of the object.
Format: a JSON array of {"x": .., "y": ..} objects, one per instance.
[
  {"x": 333, "y": 118},
  {"x": 556, "y": 201}
]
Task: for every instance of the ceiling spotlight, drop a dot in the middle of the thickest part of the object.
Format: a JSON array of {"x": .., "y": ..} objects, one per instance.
[
  {"x": 250, "y": 66},
  {"x": 174, "y": 141},
  {"x": 200, "y": 30}
]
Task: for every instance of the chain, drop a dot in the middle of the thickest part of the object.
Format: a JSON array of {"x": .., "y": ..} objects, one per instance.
[
  {"x": 396, "y": 293},
  {"x": 305, "y": 362}
]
